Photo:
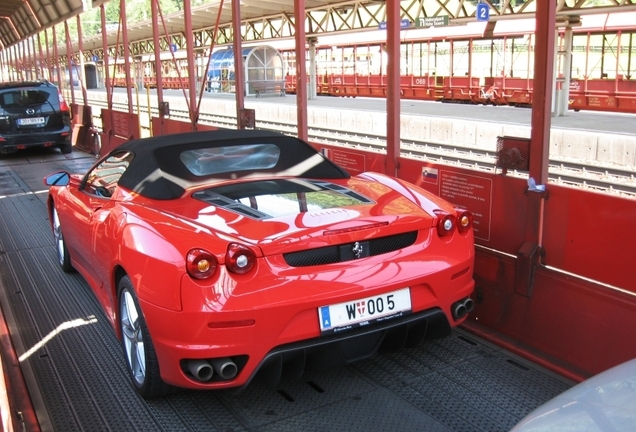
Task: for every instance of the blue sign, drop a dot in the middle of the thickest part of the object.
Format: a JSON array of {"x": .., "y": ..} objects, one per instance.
[
  {"x": 404, "y": 24},
  {"x": 173, "y": 47},
  {"x": 483, "y": 12},
  {"x": 95, "y": 58}
]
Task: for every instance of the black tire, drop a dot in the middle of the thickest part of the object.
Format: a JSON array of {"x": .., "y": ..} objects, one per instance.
[
  {"x": 139, "y": 352},
  {"x": 63, "y": 256},
  {"x": 66, "y": 148}
]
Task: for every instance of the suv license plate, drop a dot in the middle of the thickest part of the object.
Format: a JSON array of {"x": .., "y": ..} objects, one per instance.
[
  {"x": 31, "y": 121},
  {"x": 358, "y": 313}
]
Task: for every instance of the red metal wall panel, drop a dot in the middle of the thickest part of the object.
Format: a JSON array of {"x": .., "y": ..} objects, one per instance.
[
  {"x": 585, "y": 233},
  {"x": 591, "y": 234},
  {"x": 171, "y": 126},
  {"x": 498, "y": 202},
  {"x": 576, "y": 327}
]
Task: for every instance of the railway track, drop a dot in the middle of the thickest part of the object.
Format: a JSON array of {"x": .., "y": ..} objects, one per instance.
[{"x": 590, "y": 176}]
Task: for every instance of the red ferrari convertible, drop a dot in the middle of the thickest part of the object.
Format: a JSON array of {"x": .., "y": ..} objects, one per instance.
[{"x": 219, "y": 255}]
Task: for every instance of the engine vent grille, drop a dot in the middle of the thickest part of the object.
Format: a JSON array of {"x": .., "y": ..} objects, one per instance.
[{"x": 346, "y": 252}]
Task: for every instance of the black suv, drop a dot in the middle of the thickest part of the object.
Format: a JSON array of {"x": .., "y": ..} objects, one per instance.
[{"x": 33, "y": 113}]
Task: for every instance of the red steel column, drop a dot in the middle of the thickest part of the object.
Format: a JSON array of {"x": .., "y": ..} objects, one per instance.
[
  {"x": 11, "y": 63},
  {"x": 122, "y": 11},
  {"x": 42, "y": 61},
  {"x": 6, "y": 66},
  {"x": 17, "y": 62},
  {"x": 69, "y": 61},
  {"x": 192, "y": 67},
  {"x": 29, "y": 58},
  {"x": 14, "y": 55},
  {"x": 56, "y": 60},
  {"x": 528, "y": 256},
  {"x": 239, "y": 67},
  {"x": 106, "y": 134},
  {"x": 82, "y": 75},
  {"x": 19, "y": 71},
  {"x": 35, "y": 62},
  {"x": 22, "y": 51},
  {"x": 106, "y": 59},
  {"x": 48, "y": 55},
  {"x": 542, "y": 94},
  {"x": 158, "y": 69},
  {"x": 301, "y": 69},
  {"x": 393, "y": 88}
]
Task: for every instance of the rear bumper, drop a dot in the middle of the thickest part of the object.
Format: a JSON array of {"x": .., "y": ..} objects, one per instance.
[
  {"x": 35, "y": 139},
  {"x": 270, "y": 338},
  {"x": 271, "y": 317},
  {"x": 269, "y": 364},
  {"x": 344, "y": 348}
]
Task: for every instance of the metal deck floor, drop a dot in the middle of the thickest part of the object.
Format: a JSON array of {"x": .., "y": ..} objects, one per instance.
[{"x": 75, "y": 372}]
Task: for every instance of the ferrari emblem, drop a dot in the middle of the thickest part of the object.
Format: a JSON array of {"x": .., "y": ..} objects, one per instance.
[{"x": 357, "y": 249}]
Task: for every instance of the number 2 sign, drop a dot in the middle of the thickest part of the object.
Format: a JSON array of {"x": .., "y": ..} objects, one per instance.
[{"x": 483, "y": 12}]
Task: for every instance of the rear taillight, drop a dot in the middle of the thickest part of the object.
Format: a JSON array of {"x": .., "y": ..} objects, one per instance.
[
  {"x": 461, "y": 220},
  {"x": 63, "y": 104},
  {"x": 201, "y": 264},
  {"x": 464, "y": 220},
  {"x": 239, "y": 259},
  {"x": 445, "y": 223}
]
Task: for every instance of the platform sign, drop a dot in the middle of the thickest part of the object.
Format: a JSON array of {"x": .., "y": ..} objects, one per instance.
[
  {"x": 483, "y": 12},
  {"x": 404, "y": 24},
  {"x": 438, "y": 21}
]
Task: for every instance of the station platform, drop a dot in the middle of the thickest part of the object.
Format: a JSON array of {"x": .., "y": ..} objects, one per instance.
[
  {"x": 491, "y": 115},
  {"x": 599, "y": 139},
  {"x": 75, "y": 374}
]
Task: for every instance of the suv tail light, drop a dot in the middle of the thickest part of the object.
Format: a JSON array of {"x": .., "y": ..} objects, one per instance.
[{"x": 63, "y": 104}]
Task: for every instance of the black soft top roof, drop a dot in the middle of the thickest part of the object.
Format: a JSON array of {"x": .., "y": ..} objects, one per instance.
[{"x": 157, "y": 171}]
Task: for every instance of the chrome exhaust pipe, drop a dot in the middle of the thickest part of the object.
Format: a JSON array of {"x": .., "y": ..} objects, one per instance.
[
  {"x": 201, "y": 369},
  {"x": 224, "y": 367},
  {"x": 469, "y": 304},
  {"x": 459, "y": 310}
]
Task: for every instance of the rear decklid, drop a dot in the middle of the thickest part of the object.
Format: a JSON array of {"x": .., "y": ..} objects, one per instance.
[{"x": 289, "y": 215}]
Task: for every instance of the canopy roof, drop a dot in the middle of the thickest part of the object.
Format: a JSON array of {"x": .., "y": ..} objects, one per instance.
[{"x": 20, "y": 19}]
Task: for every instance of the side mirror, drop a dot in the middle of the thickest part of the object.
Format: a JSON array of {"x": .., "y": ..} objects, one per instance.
[{"x": 57, "y": 179}]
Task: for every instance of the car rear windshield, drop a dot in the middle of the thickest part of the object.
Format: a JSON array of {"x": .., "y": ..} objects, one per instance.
[
  {"x": 248, "y": 157},
  {"x": 25, "y": 98}
]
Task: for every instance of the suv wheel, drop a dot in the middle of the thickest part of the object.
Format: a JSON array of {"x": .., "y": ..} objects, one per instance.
[{"x": 66, "y": 148}]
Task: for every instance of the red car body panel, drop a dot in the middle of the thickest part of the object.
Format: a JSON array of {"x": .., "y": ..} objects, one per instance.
[{"x": 274, "y": 304}]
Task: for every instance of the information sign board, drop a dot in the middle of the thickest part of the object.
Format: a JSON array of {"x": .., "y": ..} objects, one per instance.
[
  {"x": 437, "y": 21},
  {"x": 404, "y": 24}
]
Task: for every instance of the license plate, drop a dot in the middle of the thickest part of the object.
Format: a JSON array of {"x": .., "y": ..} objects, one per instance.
[
  {"x": 31, "y": 121},
  {"x": 358, "y": 313}
]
